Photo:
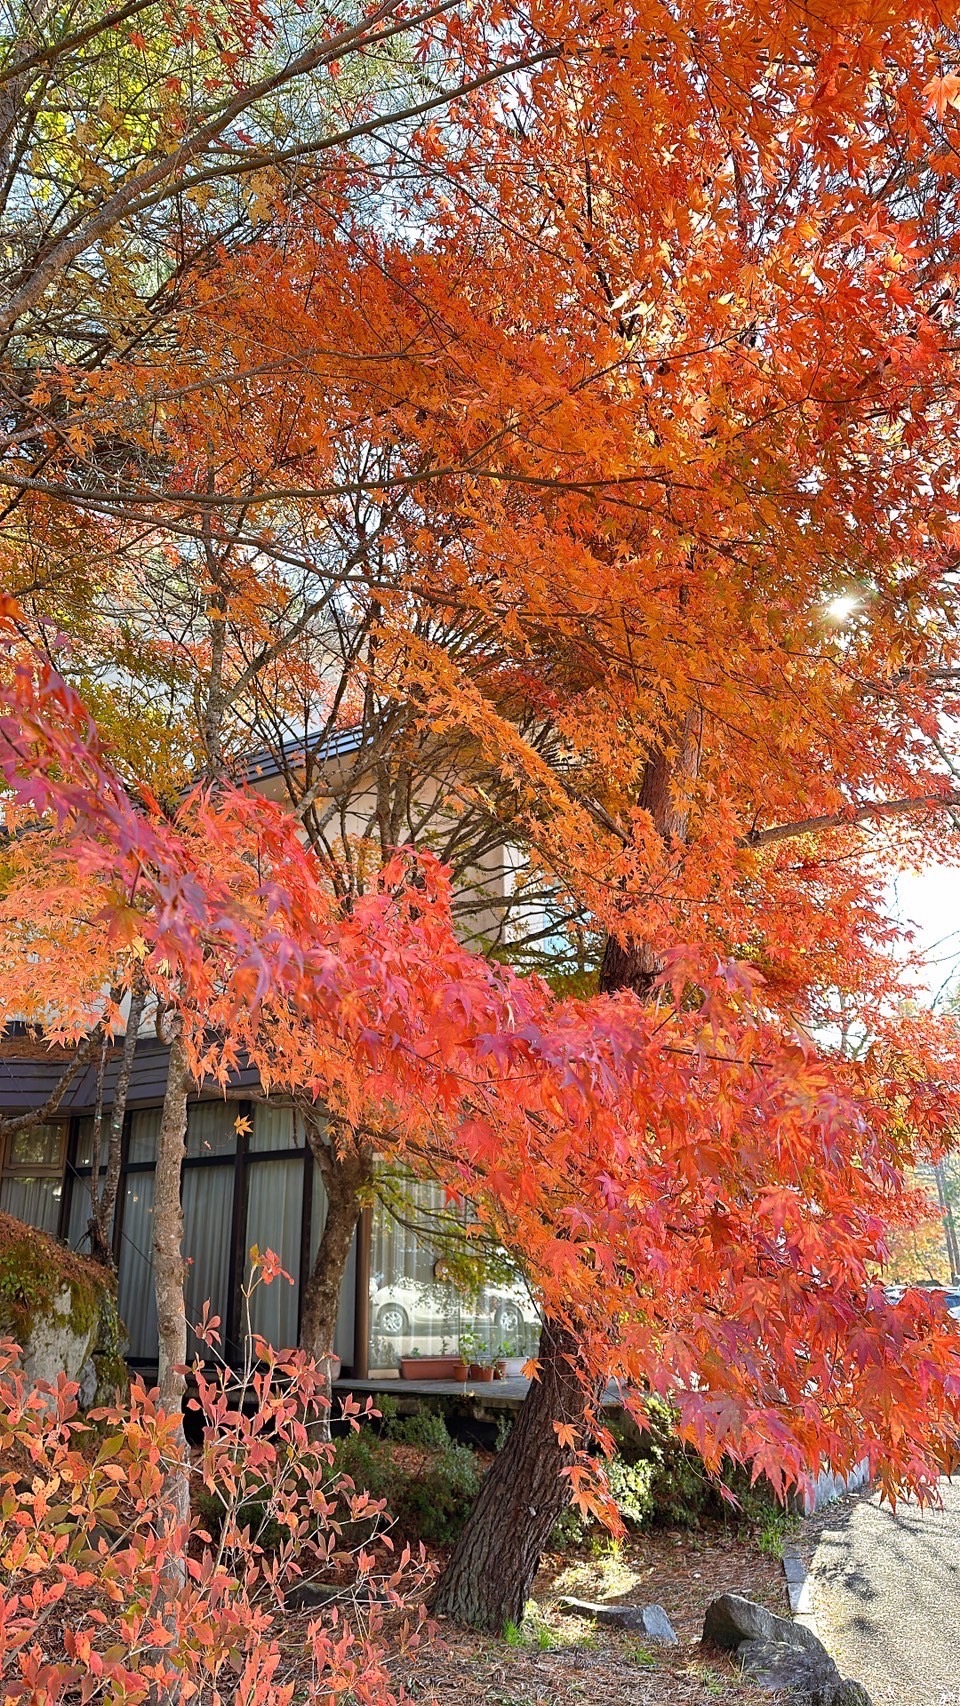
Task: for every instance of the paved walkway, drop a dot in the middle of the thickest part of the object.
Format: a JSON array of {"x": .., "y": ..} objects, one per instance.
[{"x": 886, "y": 1592}]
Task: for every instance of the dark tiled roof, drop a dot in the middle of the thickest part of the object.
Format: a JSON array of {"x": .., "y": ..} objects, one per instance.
[
  {"x": 27, "y": 1079},
  {"x": 256, "y": 767}
]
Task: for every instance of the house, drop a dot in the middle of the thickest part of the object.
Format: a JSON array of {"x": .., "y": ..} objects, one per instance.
[{"x": 249, "y": 1176}]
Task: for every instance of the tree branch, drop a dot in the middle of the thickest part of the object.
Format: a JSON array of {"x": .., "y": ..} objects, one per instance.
[
  {"x": 851, "y": 818},
  {"x": 15, "y": 1123}
]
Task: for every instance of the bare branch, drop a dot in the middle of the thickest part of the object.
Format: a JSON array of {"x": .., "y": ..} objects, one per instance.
[
  {"x": 14, "y": 1123},
  {"x": 853, "y": 816}
]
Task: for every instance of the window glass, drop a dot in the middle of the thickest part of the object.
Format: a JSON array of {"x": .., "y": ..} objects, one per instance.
[
  {"x": 78, "y": 1237},
  {"x": 38, "y": 1146},
  {"x": 35, "y": 1200},
  {"x": 318, "y": 1211},
  {"x": 207, "y": 1228},
  {"x": 211, "y": 1128},
  {"x": 85, "y": 1142},
  {"x": 135, "y": 1277},
  {"x": 415, "y": 1302},
  {"x": 275, "y": 1127},
  {"x": 274, "y": 1217},
  {"x": 143, "y": 1135},
  {"x": 344, "y": 1341}
]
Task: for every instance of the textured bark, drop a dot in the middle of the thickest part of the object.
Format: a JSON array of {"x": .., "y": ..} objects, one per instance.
[
  {"x": 627, "y": 965},
  {"x": 168, "y": 1272},
  {"x": 346, "y": 1175},
  {"x": 488, "y": 1579},
  {"x": 631, "y": 963},
  {"x": 168, "y": 1264},
  {"x": 104, "y": 1201},
  {"x": 321, "y": 1294}
]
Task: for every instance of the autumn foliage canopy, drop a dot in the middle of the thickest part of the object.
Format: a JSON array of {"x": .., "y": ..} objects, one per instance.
[
  {"x": 590, "y": 405},
  {"x": 687, "y": 1180}
]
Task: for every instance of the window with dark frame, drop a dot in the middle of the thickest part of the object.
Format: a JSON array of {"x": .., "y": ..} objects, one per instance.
[
  {"x": 248, "y": 1178},
  {"x": 31, "y": 1174}
]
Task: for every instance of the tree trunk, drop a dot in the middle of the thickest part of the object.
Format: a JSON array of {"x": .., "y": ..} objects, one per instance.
[
  {"x": 168, "y": 1264},
  {"x": 104, "y": 1202},
  {"x": 949, "y": 1221},
  {"x": 488, "y": 1580},
  {"x": 345, "y": 1176},
  {"x": 168, "y": 1272},
  {"x": 321, "y": 1294}
]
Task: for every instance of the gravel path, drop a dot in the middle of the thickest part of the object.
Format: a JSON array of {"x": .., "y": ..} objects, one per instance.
[{"x": 886, "y": 1590}]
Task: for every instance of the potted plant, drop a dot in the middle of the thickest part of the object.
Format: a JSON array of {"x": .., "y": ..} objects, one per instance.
[
  {"x": 480, "y": 1362},
  {"x": 509, "y": 1362},
  {"x": 415, "y": 1366}
]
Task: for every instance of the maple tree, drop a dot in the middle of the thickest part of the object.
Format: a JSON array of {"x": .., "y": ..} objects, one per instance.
[
  {"x": 576, "y": 484},
  {"x": 697, "y": 1195}
]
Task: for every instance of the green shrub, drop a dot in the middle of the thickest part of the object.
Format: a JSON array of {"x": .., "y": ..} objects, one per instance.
[
  {"x": 675, "y": 1489},
  {"x": 631, "y": 1488},
  {"x": 253, "y": 1514},
  {"x": 429, "y": 1496},
  {"x": 425, "y": 1429},
  {"x": 255, "y": 1510},
  {"x": 568, "y": 1531},
  {"x": 657, "y": 1480}
]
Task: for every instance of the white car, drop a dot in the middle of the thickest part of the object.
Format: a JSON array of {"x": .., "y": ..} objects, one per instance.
[{"x": 433, "y": 1312}]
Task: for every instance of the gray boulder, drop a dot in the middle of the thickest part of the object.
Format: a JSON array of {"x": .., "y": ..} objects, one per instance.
[
  {"x": 781, "y": 1656},
  {"x": 731, "y": 1620},
  {"x": 60, "y": 1309},
  {"x": 310, "y": 1596},
  {"x": 649, "y": 1620},
  {"x": 315, "y": 1596},
  {"x": 798, "y": 1672}
]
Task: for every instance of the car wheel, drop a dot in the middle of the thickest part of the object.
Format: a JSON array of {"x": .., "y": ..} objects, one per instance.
[
  {"x": 508, "y": 1320},
  {"x": 392, "y": 1321}
]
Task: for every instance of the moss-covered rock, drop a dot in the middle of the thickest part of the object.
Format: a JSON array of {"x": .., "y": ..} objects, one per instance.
[{"x": 61, "y": 1310}]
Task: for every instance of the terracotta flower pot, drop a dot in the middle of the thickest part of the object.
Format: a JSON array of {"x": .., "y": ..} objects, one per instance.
[
  {"x": 480, "y": 1371},
  {"x": 431, "y": 1368}
]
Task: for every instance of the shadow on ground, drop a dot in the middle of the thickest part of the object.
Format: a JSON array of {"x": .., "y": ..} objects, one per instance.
[{"x": 887, "y": 1597}]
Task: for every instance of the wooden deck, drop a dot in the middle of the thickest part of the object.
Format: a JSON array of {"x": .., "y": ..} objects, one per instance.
[
  {"x": 475, "y": 1395},
  {"x": 490, "y": 1394}
]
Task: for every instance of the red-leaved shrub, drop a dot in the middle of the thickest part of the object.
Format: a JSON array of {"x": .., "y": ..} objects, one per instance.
[{"x": 107, "y": 1595}]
